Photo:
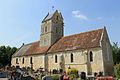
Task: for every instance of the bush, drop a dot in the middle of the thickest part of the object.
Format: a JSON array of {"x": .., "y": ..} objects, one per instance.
[
  {"x": 72, "y": 71},
  {"x": 36, "y": 78},
  {"x": 68, "y": 71},
  {"x": 117, "y": 71},
  {"x": 73, "y": 76},
  {"x": 55, "y": 76}
]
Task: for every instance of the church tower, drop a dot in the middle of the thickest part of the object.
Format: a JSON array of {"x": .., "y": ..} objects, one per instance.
[{"x": 51, "y": 29}]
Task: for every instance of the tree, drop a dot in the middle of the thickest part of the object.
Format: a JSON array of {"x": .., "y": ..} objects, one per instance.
[
  {"x": 6, "y": 53},
  {"x": 117, "y": 71},
  {"x": 116, "y": 60},
  {"x": 116, "y": 53},
  {"x": 3, "y": 55}
]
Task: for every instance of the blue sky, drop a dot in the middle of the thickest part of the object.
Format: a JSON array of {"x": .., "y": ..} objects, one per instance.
[{"x": 20, "y": 20}]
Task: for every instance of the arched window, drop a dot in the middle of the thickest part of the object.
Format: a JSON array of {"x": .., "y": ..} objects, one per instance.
[
  {"x": 91, "y": 56},
  {"x": 108, "y": 56},
  {"x": 56, "y": 29},
  {"x": 16, "y": 60},
  {"x": 71, "y": 57},
  {"x": 30, "y": 60},
  {"x": 23, "y": 61},
  {"x": 57, "y": 20},
  {"x": 45, "y": 40},
  {"x": 55, "y": 58},
  {"x": 46, "y": 29}
]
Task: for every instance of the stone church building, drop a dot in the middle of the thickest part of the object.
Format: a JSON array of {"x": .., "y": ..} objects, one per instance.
[{"x": 88, "y": 51}]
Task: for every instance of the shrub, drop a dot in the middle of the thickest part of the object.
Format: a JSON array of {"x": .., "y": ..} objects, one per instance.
[
  {"x": 117, "y": 71},
  {"x": 68, "y": 71},
  {"x": 36, "y": 78},
  {"x": 73, "y": 76},
  {"x": 55, "y": 76},
  {"x": 72, "y": 71}
]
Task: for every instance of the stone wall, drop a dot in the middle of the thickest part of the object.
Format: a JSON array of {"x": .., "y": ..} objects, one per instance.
[
  {"x": 51, "y": 30},
  {"x": 38, "y": 61},
  {"x": 45, "y": 37},
  {"x": 79, "y": 61},
  {"x": 107, "y": 53}
]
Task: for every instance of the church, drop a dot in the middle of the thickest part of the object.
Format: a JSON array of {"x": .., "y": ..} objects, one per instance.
[{"x": 87, "y": 51}]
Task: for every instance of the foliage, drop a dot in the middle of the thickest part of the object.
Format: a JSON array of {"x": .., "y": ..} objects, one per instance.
[
  {"x": 116, "y": 60},
  {"x": 72, "y": 71},
  {"x": 6, "y": 53},
  {"x": 116, "y": 53},
  {"x": 117, "y": 71},
  {"x": 36, "y": 78},
  {"x": 73, "y": 76},
  {"x": 55, "y": 76}
]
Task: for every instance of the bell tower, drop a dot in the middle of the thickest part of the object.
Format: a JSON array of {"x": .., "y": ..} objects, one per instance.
[{"x": 51, "y": 29}]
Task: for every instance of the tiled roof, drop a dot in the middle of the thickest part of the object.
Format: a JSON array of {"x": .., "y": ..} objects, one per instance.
[
  {"x": 22, "y": 50},
  {"x": 83, "y": 40},
  {"x": 88, "y": 39},
  {"x": 35, "y": 49},
  {"x": 30, "y": 49}
]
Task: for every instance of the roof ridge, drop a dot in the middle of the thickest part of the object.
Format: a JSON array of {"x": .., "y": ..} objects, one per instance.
[
  {"x": 83, "y": 32},
  {"x": 32, "y": 43}
]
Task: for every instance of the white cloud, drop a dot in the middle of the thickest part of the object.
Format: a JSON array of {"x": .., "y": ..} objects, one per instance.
[
  {"x": 78, "y": 15},
  {"x": 75, "y": 12},
  {"x": 81, "y": 16}
]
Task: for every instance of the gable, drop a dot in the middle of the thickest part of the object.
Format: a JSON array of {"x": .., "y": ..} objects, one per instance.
[{"x": 49, "y": 16}]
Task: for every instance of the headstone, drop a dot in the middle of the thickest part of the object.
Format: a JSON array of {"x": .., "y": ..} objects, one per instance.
[
  {"x": 83, "y": 75},
  {"x": 61, "y": 77},
  {"x": 47, "y": 78}
]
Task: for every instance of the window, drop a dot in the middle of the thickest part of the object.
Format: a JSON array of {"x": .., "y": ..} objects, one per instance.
[
  {"x": 46, "y": 29},
  {"x": 16, "y": 60},
  {"x": 91, "y": 56},
  {"x": 55, "y": 58},
  {"x": 71, "y": 57},
  {"x": 23, "y": 61},
  {"x": 56, "y": 30},
  {"x": 44, "y": 41},
  {"x": 57, "y": 20},
  {"x": 108, "y": 56},
  {"x": 30, "y": 60}
]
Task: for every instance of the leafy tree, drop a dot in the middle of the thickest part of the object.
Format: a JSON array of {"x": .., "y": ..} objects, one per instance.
[
  {"x": 116, "y": 53},
  {"x": 117, "y": 71},
  {"x": 116, "y": 60},
  {"x": 3, "y": 55},
  {"x": 6, "y": 53},
  {"x": 12, "y": 51}
]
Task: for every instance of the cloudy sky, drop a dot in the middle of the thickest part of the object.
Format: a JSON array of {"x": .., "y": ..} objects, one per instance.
[{"x": 20, "y": 20}]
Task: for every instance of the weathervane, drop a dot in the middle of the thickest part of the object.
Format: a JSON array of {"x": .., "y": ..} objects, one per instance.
[{"x": 52, "y": 7}]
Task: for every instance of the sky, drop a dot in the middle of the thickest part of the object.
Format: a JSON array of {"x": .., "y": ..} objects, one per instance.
[{"x": 20, "y": 20}]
